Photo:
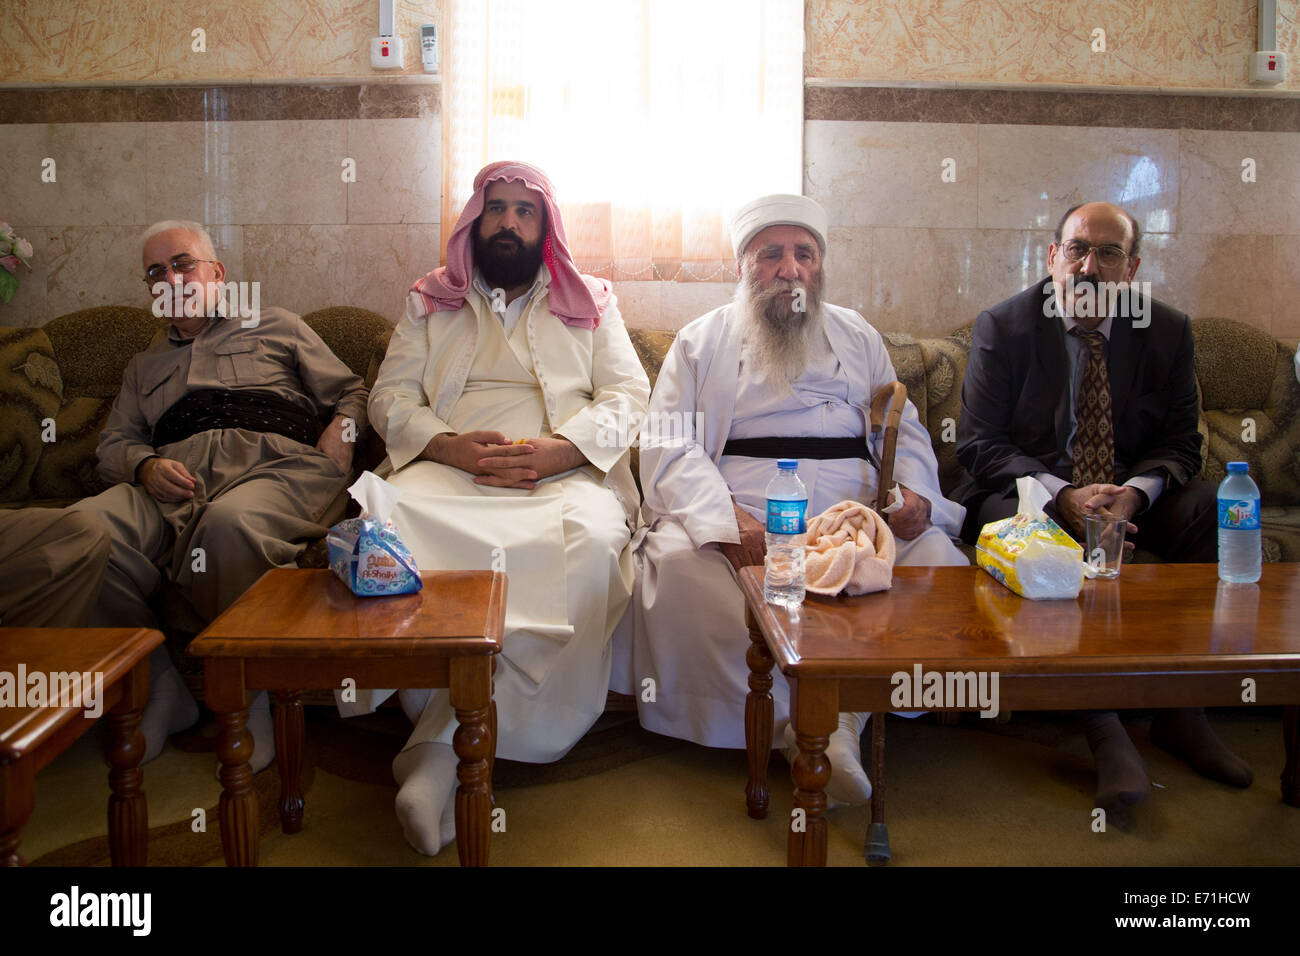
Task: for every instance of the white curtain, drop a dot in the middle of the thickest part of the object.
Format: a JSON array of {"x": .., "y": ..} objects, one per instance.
[{"x": 655, "y": 119}]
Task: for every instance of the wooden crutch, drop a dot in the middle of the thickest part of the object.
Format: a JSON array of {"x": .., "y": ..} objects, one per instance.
[{"x": 890, "y": 398}]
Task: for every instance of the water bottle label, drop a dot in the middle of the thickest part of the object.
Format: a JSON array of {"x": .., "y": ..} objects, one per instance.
[
  {"x": 786, "y": 517},
  {"x": 1240, "y": 515}
]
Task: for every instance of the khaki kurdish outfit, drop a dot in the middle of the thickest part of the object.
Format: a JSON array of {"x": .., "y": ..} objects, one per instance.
[
  {"x": 260, "y": 496},
  {"x": 51, "y": 564}
]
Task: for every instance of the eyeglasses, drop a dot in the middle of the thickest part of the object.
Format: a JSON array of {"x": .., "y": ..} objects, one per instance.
[
  {"x": 1107, "y": 256},
  {"x": 181, "y": 265}
]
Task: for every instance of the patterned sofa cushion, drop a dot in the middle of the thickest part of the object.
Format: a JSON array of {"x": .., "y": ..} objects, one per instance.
[
  {"x": 93, "y": 346},
  {"x": 31, "y": 390},
  {"x": 66, "y": 469},
  {"x": 1251, "y": 406},
  {"x": 652, "y": 348},
  {"x": 945, "y": 367},
  {"x": 357, "y": 336}
]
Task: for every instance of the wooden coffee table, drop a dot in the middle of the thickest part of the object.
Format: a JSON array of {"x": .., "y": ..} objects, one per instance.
[
  {"x": 298, "y": 630},
  {"x": 31, "y": 737},
  {"x": 1161, "y": 635}
]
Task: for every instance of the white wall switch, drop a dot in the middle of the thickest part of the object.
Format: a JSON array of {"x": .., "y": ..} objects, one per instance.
[
  {"x": 1267, "y": 68},
  {"x": 386, "y": 53}
]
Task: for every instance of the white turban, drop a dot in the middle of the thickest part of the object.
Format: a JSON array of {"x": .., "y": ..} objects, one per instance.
[{"x": 778, "y": 210}]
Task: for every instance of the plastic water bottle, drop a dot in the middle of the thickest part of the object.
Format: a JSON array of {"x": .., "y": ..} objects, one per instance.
[
  {"x": 787, "y": 505},
  {"x": 1239, "y": 544}
]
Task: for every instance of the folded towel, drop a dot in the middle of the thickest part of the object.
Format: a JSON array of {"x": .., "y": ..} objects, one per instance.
[{"x": 849, "y": 548}]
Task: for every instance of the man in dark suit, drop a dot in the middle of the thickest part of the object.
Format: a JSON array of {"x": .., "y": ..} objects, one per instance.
[{"x": 1094, "y": 394}]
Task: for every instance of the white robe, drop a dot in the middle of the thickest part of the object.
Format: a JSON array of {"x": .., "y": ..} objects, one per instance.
[
  {"x": 564, "y": 546},
  {"x": 685, "y": 627}
]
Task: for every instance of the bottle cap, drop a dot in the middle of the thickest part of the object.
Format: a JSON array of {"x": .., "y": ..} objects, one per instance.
[
  {"x": 1238, "y": 467},
  {"x": 787, "y": 464}
]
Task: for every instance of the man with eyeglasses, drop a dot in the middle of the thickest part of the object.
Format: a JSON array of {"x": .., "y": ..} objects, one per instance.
[
  {"x": 1091, "y": 389},
  {"x": 226, "y": 447}
]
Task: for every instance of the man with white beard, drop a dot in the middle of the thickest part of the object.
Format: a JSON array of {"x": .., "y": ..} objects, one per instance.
[{"x": 775, "y": 374}]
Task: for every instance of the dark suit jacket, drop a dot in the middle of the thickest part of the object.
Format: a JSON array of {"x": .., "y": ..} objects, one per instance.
[{"x": 1015, "y": 398}]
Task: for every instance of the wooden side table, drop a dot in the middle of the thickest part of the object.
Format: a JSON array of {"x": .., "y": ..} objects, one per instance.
[
  {"x": 31, "y": 737},
  {"x": 298, "y": 630},
  {"x": 1160, "y": 635}
]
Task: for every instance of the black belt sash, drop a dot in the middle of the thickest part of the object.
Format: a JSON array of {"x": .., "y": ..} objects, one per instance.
[
  {"x": 251, "y": 409},
  {"x": 821, "y": 449}
]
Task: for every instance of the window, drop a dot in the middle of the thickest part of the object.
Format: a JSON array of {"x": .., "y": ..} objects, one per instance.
[{"x": 655, "y": 119}]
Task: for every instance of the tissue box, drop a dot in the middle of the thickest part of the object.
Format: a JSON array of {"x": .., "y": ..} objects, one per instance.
[
  {"x": 1032, "y": 556},
  {"x": 371, "y": 559}
]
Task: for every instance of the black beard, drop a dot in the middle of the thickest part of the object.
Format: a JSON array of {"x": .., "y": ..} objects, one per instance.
[{"x": 506, "y": 264}]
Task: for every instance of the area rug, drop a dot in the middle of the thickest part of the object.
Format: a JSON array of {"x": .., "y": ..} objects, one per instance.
[{"x": 361, "y": 749}]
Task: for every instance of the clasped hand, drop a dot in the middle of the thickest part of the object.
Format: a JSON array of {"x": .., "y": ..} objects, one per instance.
[
  {"x": 490, "y": 457},
  {"x": 1073, "y": 505}
]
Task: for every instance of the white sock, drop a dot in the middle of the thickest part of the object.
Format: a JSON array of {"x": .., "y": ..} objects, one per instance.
[
  {"x": 262, "y": 728},
  {"x": 848, "y": 785},
  {"x": 426, "y": 808},
  {"x": 171, "y": 708}
]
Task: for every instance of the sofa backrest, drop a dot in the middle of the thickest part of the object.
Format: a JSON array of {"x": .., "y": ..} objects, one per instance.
[
  {"x": 71, "y": 370},
  {"x": 1250, "y": 406},
  {"x": 1250, "y": 398}
]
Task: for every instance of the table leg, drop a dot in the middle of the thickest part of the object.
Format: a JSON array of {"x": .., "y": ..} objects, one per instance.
[
  {"x": 223, "y": 680},
  {"x": 813, "y": 709},
  {"x": 17, "y": 800},
  {"x": 1291, "y": 740},
  {"x": 290, "y": 734},
  {"x": 128, "y": 811},
  {"x": 492, "y": 729},
  {"x": 471, "y": 688},
  {"x": 758, "y": 719}
]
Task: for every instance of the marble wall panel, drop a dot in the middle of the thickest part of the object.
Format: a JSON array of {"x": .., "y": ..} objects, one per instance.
[
  {"x": 300, "y": 268},
  {"x": 869, "y": 174},
  {"x": 1205, "y": 275},
  {"x": 849, "y": 256},
  {"x": 77, "y": 267},
  {"x": 124, "y": 41},
  {"x": 927, "y": 282},
  {"x": 1191, "y": 44},
  {"x": 1029, "y": 175},
  {"x": 98, "y": 169},
  {"x": 254, "y": 172},
  {"x": 399, "y": 170},
  {"x": 1216, "y": 199},
  {"x": 669, "y": 306},
  {"x": 641, "y": 304},
  {"x": 382, "y": 261},
  {"x": 1286, "y": 289}
]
